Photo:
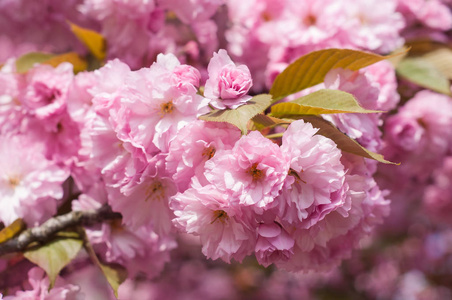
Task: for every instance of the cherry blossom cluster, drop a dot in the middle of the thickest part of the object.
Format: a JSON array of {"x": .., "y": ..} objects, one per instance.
[{"x": 129, "y": 134}]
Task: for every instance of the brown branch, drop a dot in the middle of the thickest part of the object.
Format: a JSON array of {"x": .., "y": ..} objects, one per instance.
[{"x": 46, "y": 231}]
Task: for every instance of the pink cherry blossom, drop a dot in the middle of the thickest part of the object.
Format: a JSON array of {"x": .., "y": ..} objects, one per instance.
[
  {"x": 157, "y": 98},
  {"x": 30, "y": 185},
  {"x": 39, "y": 284},
  {"x": 228, "y": 84},
  {"x": 376, "y": 29},
  {"x": 252, "y": 173},
  {"x": 209, "y": 213},
  {"x": 437, "y": 196},
  {"x": 194, "y": 145},
  {"x": 315, "y": 185},
  {"x": 44, "y": 95},
  {"x": 193, "y": 10},
  {"x": 273, "y": 244},
  {"x": 11, "y": 111},
  {"x": 144, "y": 200}
]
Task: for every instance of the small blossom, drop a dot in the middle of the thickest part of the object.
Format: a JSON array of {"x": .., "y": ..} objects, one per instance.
[
  {"x": 273, "y": 244},
  {"x": 252, "y": 173},
  {"x": 207, "y": 212},
  {"x": 228, "y": 84}
]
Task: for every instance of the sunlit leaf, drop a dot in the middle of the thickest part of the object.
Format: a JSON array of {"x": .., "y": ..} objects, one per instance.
[
  {"x": 55, "y": 255},
  {"x": 94, "y": 41},
  {"x": 398, "y": 55},
  {"x": 441, "y": 59},
  {"x": 12, "y": 230},
  {"x": 424, "y": 74},
  {"x": 77, "y": 62},
  {"x": 27, "y": 61},
  {"x": 320, "y": 102},
  {"x": 342, "y": 141},
  {"x": 114, "y": 273},
  {"x": 263, "y": 121},
  {"x": 241, "y": 115},
  {"x": 311, "y": 69}
]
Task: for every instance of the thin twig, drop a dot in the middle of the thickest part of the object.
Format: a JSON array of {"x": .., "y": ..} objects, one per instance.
[{"x": 54, "y": 225}]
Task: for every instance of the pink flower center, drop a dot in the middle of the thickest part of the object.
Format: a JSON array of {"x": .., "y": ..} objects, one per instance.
[
  {"x": 155, "y": 191},
  {"x": 294, "y": 173},
  {"x": 310, "y": 20},
  {"x": 209, "y": 152},
  {"x": 166, "y": 108},
  {"x": 266, "y": 16},
  {"x": 14, "y": 181},
  {"x": 220, "y": 215},
  {"x": 255, "y": 172},
  {"x": 116, "y": 225}
]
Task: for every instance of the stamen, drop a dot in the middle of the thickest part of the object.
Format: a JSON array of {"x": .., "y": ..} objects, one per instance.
[
  {"x": 255, "y": 172},
  {"x": 310, "y": 20},
  {"x": 155, "y": 191},
  {"x": 166, "y": 108},
  {"x": 220, "y": 215},
  {"x": 209, "y": 152},
  {"x": 266, "y": 16},
  {"x": 14, "y": 181},
  {"x": 294, "y": 173}
]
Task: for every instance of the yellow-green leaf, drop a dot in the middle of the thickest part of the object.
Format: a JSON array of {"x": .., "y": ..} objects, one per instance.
[
  {"x": 12, "y": 230},
  {"x": 342, "y": 141},
  {"x": 311, "y": 69},
  {"x": 425, "y": 74},
  {"x": 441, "y": 59},
  {"x": 27, "y": 61},
  {"x": 54, "y": 256},
  {"x": 78, "y": 63},
  {"x": 398, "y": 55},
  {"x": 263, "y": 121},
  {"x": 241, "y": 115},
  {"x": 94, "y": 41},
  {"x": 320, "y": 102},
  {"x": 114, "y": 273}
]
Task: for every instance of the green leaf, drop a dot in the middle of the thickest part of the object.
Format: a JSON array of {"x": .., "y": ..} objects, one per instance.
[
  {"x": 78, "y": 63},
  {"x": 12, "y": 230},
  {"x": 241, "y": 115},
  {"x": 311, "y": 69},
  {"x": 262, "y": 121},
  {"x": 441, "y": 59},
  {"x": 54, "y": 256},
  {"x": 114, "y": 273},
  {"x": 342, "y": 141},
  {"x": 27, "y": 61},
  {"x": 425, "y": 74},
  {"x": 320, "y": 102},
  {"x": 94, "y": 41},
  {"x": 398, "y": 55}
]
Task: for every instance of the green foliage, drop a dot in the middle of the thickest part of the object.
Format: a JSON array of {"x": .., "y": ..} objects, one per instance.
[
  {"x": 241, "y": 115},
  {"x": 320, "y": 102},
  {"x": 55, "y": 255},
  {"x": 424, "y": 73},
  {"x": 263, "y": 121},
  {"x": 27, "y": 61},
  {"x": 311, "y": 69},
  {"x": 114, "y": 273},
  {"x": 94, "y": 41},
  {"x": 342, "y": 141}
]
